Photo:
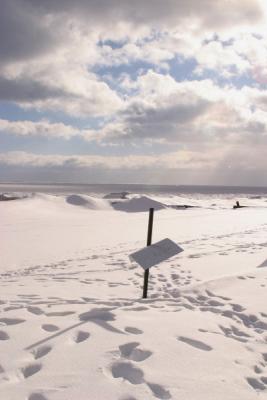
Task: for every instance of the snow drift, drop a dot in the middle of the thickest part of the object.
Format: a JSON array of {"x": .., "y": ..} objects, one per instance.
[
  {"x": 120, "y": 195},
  {"x": 13, "y": 196},
  {"x": 138, "y": 204},
  {"x": 92, "y": 203},
  {"x": 72, "y": 321}
]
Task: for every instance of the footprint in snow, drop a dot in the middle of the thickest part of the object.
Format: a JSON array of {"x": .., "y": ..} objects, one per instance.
[
  {"x": 195, "y": 343},
  {"x": 133, "y": 330},
  {"x": 128, "y": 398},
  {"x": 81, "y": 336},
  {"x": 11, "y": 321},
  {"x": 256, "y": 384},
  {"x": 128, "y": 372},
  {"x": 35, "y": 310},
  {"x": 11, "y": 308},
  {"x": 139, "y": 308},
  {"x": 159, "y": 391},
  {"x": 132, "y": 352},
  {"x": 31, "y": 369},
  {"x": 50, "y": 327},
  {"x": 37, "y": 396},
  {"x": 41, "y": 351},
  {"x": 237, "y": 307},
  {"x": 135, "y": 376},
  {"x": 4, "y": 335},
  {"x": 235, "y": 333},
  {"x": 59, "y": 313}
]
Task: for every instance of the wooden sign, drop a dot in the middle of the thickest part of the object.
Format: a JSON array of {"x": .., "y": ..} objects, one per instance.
[{"x": 155, "y": 253}]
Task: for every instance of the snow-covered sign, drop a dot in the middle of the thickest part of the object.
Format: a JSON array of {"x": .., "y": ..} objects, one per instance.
[{"x": 156, "y": 253}]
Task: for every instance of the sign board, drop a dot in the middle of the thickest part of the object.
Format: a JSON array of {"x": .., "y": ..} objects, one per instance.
[{"x": 156, "y": 253}]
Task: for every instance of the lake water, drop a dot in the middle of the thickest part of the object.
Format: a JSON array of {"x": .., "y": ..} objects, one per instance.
[{"x": 163, "y": 190}]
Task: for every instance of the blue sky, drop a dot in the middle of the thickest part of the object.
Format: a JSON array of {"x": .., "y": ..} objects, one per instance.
[{"x": 174, "y": 93}]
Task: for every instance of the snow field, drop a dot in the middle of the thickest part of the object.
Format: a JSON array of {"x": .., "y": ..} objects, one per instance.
[{"x": 73, "y": 324}]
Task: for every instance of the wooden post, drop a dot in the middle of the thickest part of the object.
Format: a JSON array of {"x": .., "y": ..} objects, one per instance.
[{"x": 149, "y": 240}]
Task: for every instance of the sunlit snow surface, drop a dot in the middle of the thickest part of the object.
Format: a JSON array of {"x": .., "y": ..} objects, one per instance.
[{"x": 73, "y": 324}]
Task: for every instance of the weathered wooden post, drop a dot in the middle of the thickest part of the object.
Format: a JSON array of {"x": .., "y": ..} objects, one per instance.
[
  {"x": 153, "y": 254},
  {"x": 149, "y": 240}
]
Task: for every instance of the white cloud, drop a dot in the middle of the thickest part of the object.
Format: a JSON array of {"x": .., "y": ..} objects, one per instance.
[
  {"x": 223, "y": 59},
  {"x": 189, "y": 113},
  {"x": 209, "y": 13},
  {"x": 41, "y": 128},
  {"x": 57, "y": 86},
  {"x": 50, "y": 52},
  {"x": 229, "y": 164},
  {"x": 179, "y": 159},
  {"x": 55, "y": 75}
]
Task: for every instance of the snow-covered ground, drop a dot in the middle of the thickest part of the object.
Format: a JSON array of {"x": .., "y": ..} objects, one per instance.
[{"x": 73, "y": 325}]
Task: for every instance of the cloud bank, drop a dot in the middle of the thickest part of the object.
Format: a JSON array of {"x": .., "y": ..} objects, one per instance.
[{"x": 178, "y": 88}]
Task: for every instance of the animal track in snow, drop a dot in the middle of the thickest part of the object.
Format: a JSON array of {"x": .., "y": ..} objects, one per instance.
[
  {"x": 195, "y": 343},
  {"x": 235, "y": 333},
  {"x": 236, "y": 314}
]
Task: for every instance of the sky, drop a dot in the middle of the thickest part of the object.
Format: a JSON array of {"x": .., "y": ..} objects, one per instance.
[{"x": 144, "y": 91}]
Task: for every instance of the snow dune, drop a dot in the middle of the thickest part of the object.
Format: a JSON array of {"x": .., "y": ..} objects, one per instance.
[
  {"x": 138, "y": 204},
  {"x": 135, "y": 204},
  {"x": 88, "y": 202},
  {"x": 119, "y": 195}
]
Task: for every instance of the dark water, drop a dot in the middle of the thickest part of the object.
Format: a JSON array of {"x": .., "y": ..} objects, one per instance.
[{"x": 100, "y": 189}]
